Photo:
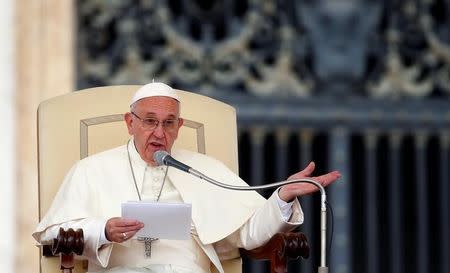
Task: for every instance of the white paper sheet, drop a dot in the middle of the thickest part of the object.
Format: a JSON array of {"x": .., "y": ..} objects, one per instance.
[{"x": 161, "y": 220}]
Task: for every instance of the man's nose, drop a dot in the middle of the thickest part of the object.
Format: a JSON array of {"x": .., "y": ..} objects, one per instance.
[{"x": 159, "y": 130}]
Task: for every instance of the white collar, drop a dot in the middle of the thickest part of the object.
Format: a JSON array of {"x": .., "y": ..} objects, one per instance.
[{"x": 136, "y": 158}]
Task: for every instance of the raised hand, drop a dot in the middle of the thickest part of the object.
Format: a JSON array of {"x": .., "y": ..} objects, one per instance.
[{"x": 290, "y": 191}]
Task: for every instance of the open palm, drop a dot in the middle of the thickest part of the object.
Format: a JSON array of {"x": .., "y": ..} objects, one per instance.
[{"x": 290, "y": 191}]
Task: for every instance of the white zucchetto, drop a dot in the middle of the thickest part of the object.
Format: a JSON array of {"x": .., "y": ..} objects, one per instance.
[{"x": 154, "y": 89}]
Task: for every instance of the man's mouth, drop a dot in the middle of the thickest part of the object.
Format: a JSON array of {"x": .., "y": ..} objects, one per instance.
[{"x": 157, "y": 146}]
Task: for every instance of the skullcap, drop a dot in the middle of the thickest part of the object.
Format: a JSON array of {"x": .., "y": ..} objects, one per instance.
[{"x": 154, "y": 89}]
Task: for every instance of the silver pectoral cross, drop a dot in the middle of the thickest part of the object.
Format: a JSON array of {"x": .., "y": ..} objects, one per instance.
[{"x": 148, "y": 245}]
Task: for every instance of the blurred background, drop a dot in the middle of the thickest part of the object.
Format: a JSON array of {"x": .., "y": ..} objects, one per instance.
[{"x": 359, "y": 86}]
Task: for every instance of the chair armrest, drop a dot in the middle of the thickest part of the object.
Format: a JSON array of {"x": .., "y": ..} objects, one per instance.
[
  {"x": 66, "y": 245},
  {"x": 279, "y": 249}
]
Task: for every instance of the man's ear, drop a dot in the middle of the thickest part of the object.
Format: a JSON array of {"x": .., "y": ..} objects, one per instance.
[
  {"x": 180, "y": 122},
  {"x": 129, "y": 121}
]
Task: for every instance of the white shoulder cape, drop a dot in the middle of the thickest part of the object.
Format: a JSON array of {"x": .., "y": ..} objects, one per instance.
[{"x": 96, "y": 186}]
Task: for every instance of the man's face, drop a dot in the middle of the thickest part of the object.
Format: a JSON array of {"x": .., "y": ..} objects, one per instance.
[{"x": 160, "y": 138}]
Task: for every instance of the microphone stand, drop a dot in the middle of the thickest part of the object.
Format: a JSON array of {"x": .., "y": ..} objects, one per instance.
[{"x": 323, "y": 208}]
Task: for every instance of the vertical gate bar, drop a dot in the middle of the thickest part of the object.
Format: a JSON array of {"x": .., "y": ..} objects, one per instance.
[
  {"x": 305, "y": 138},
  {"x": 395, "y": 204},
  {"x": 282, "y": 137},
  {"x": 422, "y": 250},
  {"x": 257, "y": 136},
  {"x": 372, "y": 257},
  {"x": 340, "y": 197},
  {"x": 444, "y": 203}
]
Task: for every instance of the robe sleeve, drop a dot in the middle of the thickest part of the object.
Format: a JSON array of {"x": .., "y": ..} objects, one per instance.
[
  {"x": 74, "y": 199},
  {"x": 263, "y": 225},
  {"x": 92, "y": 229},
  {"x": 74, "y": 207}
]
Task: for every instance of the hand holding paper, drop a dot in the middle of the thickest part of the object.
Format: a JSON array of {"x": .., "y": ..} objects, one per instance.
[
  {"x": 161, "y": 220},
  {"x": 119, "y": 230}
]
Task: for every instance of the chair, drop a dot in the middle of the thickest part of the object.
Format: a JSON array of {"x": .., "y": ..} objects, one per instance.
[{"x": 75, "y": 125}]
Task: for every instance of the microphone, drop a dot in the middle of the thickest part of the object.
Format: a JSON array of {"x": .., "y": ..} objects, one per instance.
[{"x": 164, "y": 158}]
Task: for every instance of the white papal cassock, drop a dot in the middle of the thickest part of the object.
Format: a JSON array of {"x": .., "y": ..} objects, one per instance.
[{"x": 222, "y": 220}]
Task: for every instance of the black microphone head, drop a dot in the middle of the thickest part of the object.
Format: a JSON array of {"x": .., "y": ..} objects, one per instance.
[{"x": 159, "y": 157}]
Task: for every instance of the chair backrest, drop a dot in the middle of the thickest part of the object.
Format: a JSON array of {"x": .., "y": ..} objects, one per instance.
[{"x": 75, "y": 125}]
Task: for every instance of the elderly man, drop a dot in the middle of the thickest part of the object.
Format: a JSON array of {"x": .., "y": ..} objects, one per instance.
[{"x": 222, "y": 220}]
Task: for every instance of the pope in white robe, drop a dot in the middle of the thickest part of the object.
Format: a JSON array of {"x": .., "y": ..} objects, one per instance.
[{"x": 222, "y": 220}]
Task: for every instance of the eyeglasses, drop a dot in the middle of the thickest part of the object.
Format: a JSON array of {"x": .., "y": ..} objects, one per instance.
[{"x": 151, "y": 123}]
